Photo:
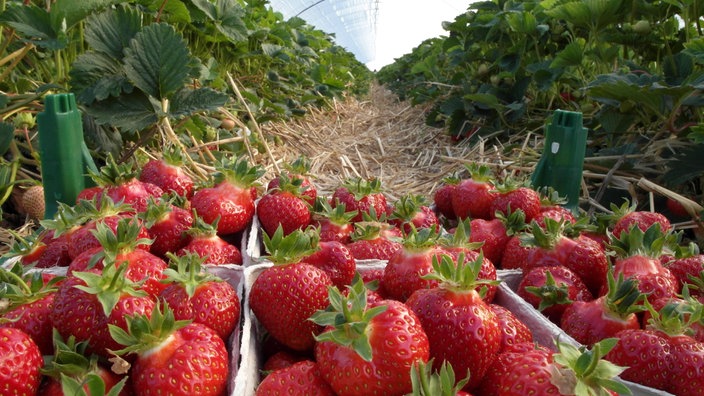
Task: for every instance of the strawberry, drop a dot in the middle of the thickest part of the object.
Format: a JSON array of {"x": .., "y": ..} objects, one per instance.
[
  {"x": 281, "y": 359},
  {"x": 489, "y": 386},
  {"x": 361, "y": 195},
  {"x": 513, "y": 330},
  {"x": 299, "y": 169},
  {"x": 172, "y": 357},
  {"x": 285, "y": 295},
  {"x": 551, "y": 289},
  {"x": 88, "y": 302},
  {"x": 571, "y": 371},
  {"x": 196, "y": 295},
  {"x": 121, "y": 184},
  {"x": 335, "y": 223},
  {"x": 555, "y": 247},
  {"x": 442, "y": 197},
  {"x": 284, "y": 206},
  {"x": 28, "y": 248},
  {"x": 205, "y": 242},
  {"x": 495, "y": 234},
  {"x": 626, "y": 216},
  {"x": 512, "y": 197},
  {"x": 516, "y": 254},
  {"x": 232, "y": 197},
  {"x": 687, "y": 366},
  {"x": 472, "y": 197},
  {"x": 404, "y": 270},
  {"x": 427, "y": 382},
  {"x": 645, "y": 353},
  {"x": 686, "y": 267},
  {"x": 589, "y": 322},
  {"x": 122, "y": 246},
  {"x": 32, "y": 202},
  {"x": 88, "y": 214},
  {"x": 638, "y": 257},
  {"x": 27, "y": 303},
  {"x": 168, "y": 173},
  {"x": 374, "y": 240},
  {"x": 72, "y": 364},
  {"x": 411, "y": 211},
  {"x": 336, "y": 259},
  {"x": 551, "y": 207},
  {"x": 21, "y": 361},
  {"x": 461, "y": 328},
  {"x": 167, "y": 225},
  {"x": 458, "y": 245},
  {"x": 300, "y": 379},
  {"x": 379, "y": 343},
  {"x": 677, "y": 208}
]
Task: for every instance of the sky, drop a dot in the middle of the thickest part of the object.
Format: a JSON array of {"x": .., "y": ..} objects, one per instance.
[{"x": 403, "y": 24}]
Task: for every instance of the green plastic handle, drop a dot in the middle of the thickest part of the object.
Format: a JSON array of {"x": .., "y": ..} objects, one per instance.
[
  {"x": 562, "y": 161},
  {"x": 64, "y": 155}
]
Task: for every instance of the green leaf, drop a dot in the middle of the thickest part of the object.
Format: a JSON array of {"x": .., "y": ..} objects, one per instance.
[
  {"x": 190, "y": 101},
  {"x": 110, "y": 32},
  {"x": 7, "y": 134},
  {"x": 131, "y": 112},
  {"x": 594, "y": 14},
  {"x": 695, "y": 48},
  {"x": 572, "y": 55},
  {"x": 158, "y": 61},
  {"x": 67, "y": 13},
  {"x": 227, "y": 16},
  {"x": 522, "y": 22},
  {"x": 96, "y": 76},
  {"x": 34, "y": 24},
  {"x": 487, "y": 100}
]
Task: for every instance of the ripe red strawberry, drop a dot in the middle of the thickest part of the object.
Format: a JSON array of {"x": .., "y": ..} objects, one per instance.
[
  {"x": 167, "y": 225},
  {"x": 72, "y": 366},
  {"x": 638, "y": 257},
  {"x": 301, "y": 378},
  {"x": 27, "y": 304},
  {"x": 494, "y": 234},
  {"x": 335, "y": 259},
  {"x": 232, "y": 197},
  {"x": 677, "y": 208},
  {"x": 168, "y": 173},
  {"x": 21, "y": 359},
  {"x": 489, "y": 385},
  {"x": 551, "y": 289},
  {"x": 626, "y": 216},
  {"x": 462, "y": 329},
  {"x": 472, "y": 197},
  {"x": 88, "y": 214},
  {"x": 572, "y": 371},
  {"x": 205, "y": 242},
  {"x": 299, "y": 169},
  {"x": 686, "y": 268},
  {"x": 28, "y": 248},
  {"x": 88, "y": 302},
  {"x": 120, "y": 183},
  {"x": 378, "y": 342},
  {"x": 512, "y": 197},
  {"x": 589, "y": 322},
  {"x": 404, "y": 270},
  {"x": 635, "y": 344},
  {"x": 411, "y": 211},
  {"x": 285, "y": 295},
  {"x": 196, "y": 295},
  {"x": 335, "y": 224},
  {"x": 281, "y": 359},
  {"x": 516, "y": 254},
  {"x": 427, "y": 382},
  {"x": 173, "y": 357},
  {"x": 284, "y": 206},
  {"x": 513, "y": 330},
  {"x": 122, "y": 247},
  {"x": 378, "y": 241},
  {"x": 442, "y": 197},
  {"x": 364, "y": 196},
  {"x": 687, "y": 365},
  {"x": 581, "y": 255}
]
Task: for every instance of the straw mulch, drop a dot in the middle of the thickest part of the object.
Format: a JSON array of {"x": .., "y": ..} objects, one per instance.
[{"x": 375, "y": 137}]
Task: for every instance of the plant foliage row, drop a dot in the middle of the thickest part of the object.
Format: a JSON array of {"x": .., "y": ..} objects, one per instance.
[{"x": 632, "y": 67}]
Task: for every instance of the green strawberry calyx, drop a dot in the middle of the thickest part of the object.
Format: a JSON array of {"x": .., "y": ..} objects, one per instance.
[
  {"x": 70, "y": 358},
  {"x": 145, "y": 333},
  {"x": 652, "y": 242},
  {"x": 337, "y": 215},
  {"x": 461, "y": 276},
  {"x": 348, "y": 318},
  {"x": 407, "y": 207},
  {"x": 112, "y": 173},
  {"x": 550, "y": 293},
  {"x": 623, "y": 298},
  {"x": 582, "y": 371},
  {"x": 480, "y": 173},
  {"x": 123, "y": 240},
  {"x": 109, "y": 285},
  {"x": 187, "y": 271},
  {"x": 292, "y": 248},
  {"x": 422, "y": 239},
  {"x": 361, "y": 188},
  {"x": 22, "y": 287},
  {"x": 425, "y": 382},
  {"x": 237, "y": 172},
  {"x": 460, "y": 238}
]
